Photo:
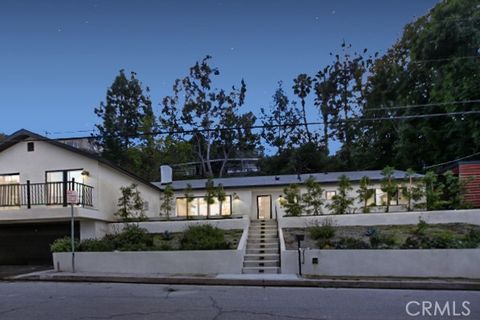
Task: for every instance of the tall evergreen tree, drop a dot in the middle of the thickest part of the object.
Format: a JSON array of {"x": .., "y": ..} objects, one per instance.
[{"x": 127, "y": 123}]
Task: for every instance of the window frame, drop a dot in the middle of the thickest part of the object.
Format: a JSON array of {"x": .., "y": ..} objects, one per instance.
[{"x": 330, "y": 191}]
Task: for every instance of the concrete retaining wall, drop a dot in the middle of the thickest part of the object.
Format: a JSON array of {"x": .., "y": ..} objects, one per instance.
[
  {"x": 178, "y": 226},
  {"x": 153, "y": 262},
  {"x": 387, "y": 263},
  {"x": 368, "y": 219}
]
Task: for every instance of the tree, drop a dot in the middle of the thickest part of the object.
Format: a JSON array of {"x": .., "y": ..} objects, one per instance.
[
  {"x": 324, "y": 98},
  {"x": 347, "y": 75},
  {"x": 389, "y": 185},
  {"x": 365, "y": 193},
  {"x": 2, "y": 137},
  {"x": 221, "y": 196},
  {"x": 130, "y": 204},
  {"x": 166, "y": 205},
  {"x": 342, "y": 202},
  {"x": 301, "y": 87},
  {"x": 292, "y": 200},
  {"x": 127, "y": 125},
  {"x": 313, "y": 197},
  {"x": 281, "y": 122},
  {"x": 210, "y": 194},
  {"x": 433, "y": 191},
  {"x": 454, "y": 191},
  {"x": 434, "y": 63},
  {"x": 209, "y": 118},
  {"x": 412, "y": 191},
  {"x": 188, "y": 193}
]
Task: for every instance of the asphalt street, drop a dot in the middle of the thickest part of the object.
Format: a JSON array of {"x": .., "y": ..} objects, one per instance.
[{"x": 79, "y": 301}]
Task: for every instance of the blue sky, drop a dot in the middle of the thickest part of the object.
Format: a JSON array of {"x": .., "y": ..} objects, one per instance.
[{"x": 57, "y": 58}]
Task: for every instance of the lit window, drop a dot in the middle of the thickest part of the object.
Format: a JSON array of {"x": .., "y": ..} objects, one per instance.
[
  {"x": 330, "y": 194},
  {"x": 199, "y": 207}
]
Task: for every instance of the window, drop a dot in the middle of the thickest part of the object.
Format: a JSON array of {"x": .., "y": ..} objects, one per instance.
[
  {"x": 199, "y": 207},
  {"x": 30, "y": 146},
  {"x": 57, "y": 180},
  {"x": 330, "y": 194},
  {"x": 381, "y": 198},
  {"x": 10, "y": 189},
  {"x": 372, "y": 200},
  {"x": 11, "y": 178}
]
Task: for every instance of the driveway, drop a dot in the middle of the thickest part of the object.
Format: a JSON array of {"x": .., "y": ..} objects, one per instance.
[{"x": 9, "y": 270}]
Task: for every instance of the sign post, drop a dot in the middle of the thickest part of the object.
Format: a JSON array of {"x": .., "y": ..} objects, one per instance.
[{"x": 72, "y": 199}]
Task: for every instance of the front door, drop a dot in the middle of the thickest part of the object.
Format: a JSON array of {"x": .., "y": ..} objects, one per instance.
[{"x": 264, "y": 207}]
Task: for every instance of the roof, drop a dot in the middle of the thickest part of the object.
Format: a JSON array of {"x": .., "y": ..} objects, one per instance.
[
  {"x": 23, "y": 134},
  {"x": 283, "y": 180}
]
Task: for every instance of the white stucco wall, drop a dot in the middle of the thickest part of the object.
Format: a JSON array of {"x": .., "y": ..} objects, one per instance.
[
  {"x": 109, "y": 183},
  {"x": 153, "y": 262},
  {"x": 105, "y": 180},
  {"x": 446, "y": 263}
]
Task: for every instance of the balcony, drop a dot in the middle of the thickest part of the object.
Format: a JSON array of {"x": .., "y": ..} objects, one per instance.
[{"x": 44, "y": 194}]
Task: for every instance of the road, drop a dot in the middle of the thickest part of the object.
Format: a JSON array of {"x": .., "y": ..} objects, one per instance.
[{"x": 81, "y": 301}]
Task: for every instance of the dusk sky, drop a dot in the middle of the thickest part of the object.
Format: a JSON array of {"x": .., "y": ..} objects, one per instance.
[{"x": 57, "y": 58}]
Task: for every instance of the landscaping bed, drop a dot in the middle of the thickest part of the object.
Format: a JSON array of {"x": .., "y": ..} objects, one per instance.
[
  {"x": 419, "y": 236},
  {"x": 134, "y": 238}
]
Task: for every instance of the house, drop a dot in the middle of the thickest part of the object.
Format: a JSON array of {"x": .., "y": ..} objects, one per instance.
[
  {"x": 35, "y": 175},
  {"x": 260, "y": 197}
]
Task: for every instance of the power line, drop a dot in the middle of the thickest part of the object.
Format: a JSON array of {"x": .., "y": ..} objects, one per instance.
[
  {"x": 443, "y": 59},
  {"x": 284, "y": 125},
  {"x": 433, "y": 104},
  {"x": 452, "y": 161}
]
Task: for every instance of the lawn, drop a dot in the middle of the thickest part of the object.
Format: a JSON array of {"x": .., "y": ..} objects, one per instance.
[{"x": 420, "y": 236}]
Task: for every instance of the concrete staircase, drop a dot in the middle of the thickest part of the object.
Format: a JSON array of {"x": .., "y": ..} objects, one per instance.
[{"x": 263, "y": 254}]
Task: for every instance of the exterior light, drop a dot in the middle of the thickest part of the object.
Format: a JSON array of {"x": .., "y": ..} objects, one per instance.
[
  {"x": 236, "y": 197},
  {"x": 85, "y": 173}
]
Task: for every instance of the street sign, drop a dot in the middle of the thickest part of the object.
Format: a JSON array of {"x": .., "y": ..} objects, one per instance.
[{"x": 72, "y": 197}]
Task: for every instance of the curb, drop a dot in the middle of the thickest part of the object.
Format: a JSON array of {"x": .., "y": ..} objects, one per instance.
[{"x": 306, "y": 283}]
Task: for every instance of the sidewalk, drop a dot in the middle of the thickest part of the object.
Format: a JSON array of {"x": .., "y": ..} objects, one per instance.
[{"x": 267, "y": 280}]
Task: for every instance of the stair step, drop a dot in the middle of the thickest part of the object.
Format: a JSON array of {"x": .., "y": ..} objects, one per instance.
[
  {"x": 263, "y": 256},
  {"x": 261, "y": 250},
  {"x": 261, "y": 263},
  {"x": 266, "y": 245},
  {"x": 261, "y": 270}
]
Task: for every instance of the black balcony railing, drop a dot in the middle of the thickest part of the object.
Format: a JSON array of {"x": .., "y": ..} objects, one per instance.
[{"x": 48, "y": 193}]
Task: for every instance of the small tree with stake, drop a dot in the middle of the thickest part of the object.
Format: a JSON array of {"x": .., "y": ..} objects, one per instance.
[
  {"x": 365, "y": 193},
  {"x": 412, "y": 191},
  {"x": 221, "y": 196},
  {"x": 130, "y": 204},
  {"x": 292, "y": 200},
  {"x": 210, "y": 194},
  {"x": 313, "y": 197},
  {"x": 389, "y": 185},
  {"x": 166, "y": 206},
  {"x": 188, "y": 193},
  {"x": 341, "y": 202}
]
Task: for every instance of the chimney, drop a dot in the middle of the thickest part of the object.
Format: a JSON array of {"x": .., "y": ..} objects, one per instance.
[{"x": 165, "y": 174}]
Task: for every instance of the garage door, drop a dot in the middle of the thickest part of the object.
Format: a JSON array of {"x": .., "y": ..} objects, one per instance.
[{"x": 30, "y": 243}]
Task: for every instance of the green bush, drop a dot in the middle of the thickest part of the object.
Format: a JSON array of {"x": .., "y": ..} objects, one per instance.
[
  {"x": 96, "y": 245},
  {"x": 131, "y": 238},
  {"x": 381, "y": 241},
  {"x": 422, "y": 226},
  {"x": 63, "y": 245},
  {"x": 472, "y": 239},
  {"x": 323, "y": 231},
  {"x": 204, "y": 237}
]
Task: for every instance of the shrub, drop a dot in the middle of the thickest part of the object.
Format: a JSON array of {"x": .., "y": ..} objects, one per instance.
[
  {"x": 351, "y": 243},
  {"x": 63, "y": 245},
  {"x": 96, "y": 245},
  {"x": 472, "y": 238},
  {"x": 204, "y": 237},
  {"x": 324, "y": 231},
  {"x": 422, "y": 226},
  {"x": 131, "y": 238}
]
